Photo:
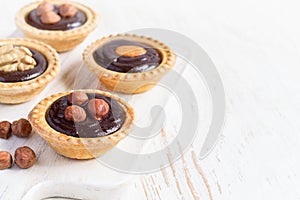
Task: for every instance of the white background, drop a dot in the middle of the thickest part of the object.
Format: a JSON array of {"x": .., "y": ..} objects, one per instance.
[{"x": 255, "y": 46}]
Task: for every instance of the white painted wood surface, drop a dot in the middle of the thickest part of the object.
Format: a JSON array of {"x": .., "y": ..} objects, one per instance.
[{"x": 256, "y": 48}]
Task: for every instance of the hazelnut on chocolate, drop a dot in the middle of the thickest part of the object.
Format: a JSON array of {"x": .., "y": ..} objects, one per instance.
[
  {"x": 5, "y": 129},
  {"x": 24, "y": 157},
  {"x": 43, "y": 8},
  {"x": 98, "y": 108},
  {"x": 5, "y": 160},
  {"x": 77, "y": 98},
  {"x": 75, "y": 113},
  {"x": 50, "y": 17},
  {"x": 67, "y": 10},
  {"x": 21, "y": 128}
]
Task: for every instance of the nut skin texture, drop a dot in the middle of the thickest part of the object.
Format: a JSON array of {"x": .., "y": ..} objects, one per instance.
[
  {"x": 75, "y": 113},
  {"x": 67, "y": 10},
  {"x": 77, "y": 98},
  {"x": 5, "y": 160},
  {"x": 50, "y": 17},
  {"x": 21, "y": 128},
  {"x": 130, "y": 51},
  {"x": 43, "y": 8},
  {"x": 98, "y": 108},
  {"x": 16, "y": 59},
  {"x": 24, "y": 157},
  {"x": 5, "y": 130}
]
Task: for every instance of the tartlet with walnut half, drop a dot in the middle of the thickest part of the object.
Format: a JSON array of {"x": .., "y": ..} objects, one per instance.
[
  {"x": 26, "y": 67},
  {"x": 79, "y": 134}
]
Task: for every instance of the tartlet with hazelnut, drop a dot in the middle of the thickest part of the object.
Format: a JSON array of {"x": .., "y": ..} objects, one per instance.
[
  {"x": 62, "y": 24},
  {"x": 82, "y": 124},
  {"x": 27, "y": 66}
]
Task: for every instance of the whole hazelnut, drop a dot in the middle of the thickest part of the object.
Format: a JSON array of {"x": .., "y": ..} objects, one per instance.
[
  {"x": 75, "y": 113},
  {"x": 24, "y": 157},
  {"x": 77, "y": 98},
  {"x": 98, "y": 108},
  {"x": 5, "y": 160},
  {"x": 43, "y": 8},
  {"x": 50, "y": 17},
  {"x": 5, "y": 129},
  {"x": 67, "y": 10},
  {"x": 21, "y": 128}
]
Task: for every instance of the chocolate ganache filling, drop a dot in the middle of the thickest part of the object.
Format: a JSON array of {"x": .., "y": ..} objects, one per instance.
[
  {"x": 106, "y": 57},
  {"x": 90, "y": 127},
  {"x": 66, "y": 23},
  {"x": 19, "y": 76}
]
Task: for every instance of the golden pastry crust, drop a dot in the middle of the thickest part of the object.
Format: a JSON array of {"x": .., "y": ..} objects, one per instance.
[
  {"x": 60, "y": 40},
  {"x": 130, "y": 83},
  {"x": 19, "y": 92},
  {"x": 72, "y": 147}
]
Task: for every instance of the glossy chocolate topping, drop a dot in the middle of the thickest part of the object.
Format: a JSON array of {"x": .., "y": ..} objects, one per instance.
[
  {"x": 19, "y": 76},
  {"x": 66, "y": 23},
  {"x": 106, "y": 57},
  {"x": 90, "y": 128}
]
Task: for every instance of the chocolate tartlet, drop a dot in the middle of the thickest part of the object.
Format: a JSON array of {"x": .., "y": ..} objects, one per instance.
[
  {"x": 129, "y": 63},
  {"x": 26, "y": 68},
  {"x": 90, "y": 127},
  {"x": 65, "y": 23},
  {"x": 62, "y": 24},
  {"x": 82, "y": 124},
  {"x": 110, "y": 56}
]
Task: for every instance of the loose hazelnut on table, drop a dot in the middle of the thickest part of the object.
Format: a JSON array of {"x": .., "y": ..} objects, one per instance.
[
  {"x": 98, "y": 108},
  {"x": 5, "y": 129},
  {"x": 21, "y": 128},
  {"x": 75, "y": 113},
  {"x": 24, "y": 157},
  {"x": 67, "y": 10},
  {"x": 77, "y": 98},
  {"x": 5, "y": 160}
]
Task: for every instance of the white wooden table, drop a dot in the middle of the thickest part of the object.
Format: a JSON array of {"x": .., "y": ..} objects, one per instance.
[{"x": 256, "y": 47}]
